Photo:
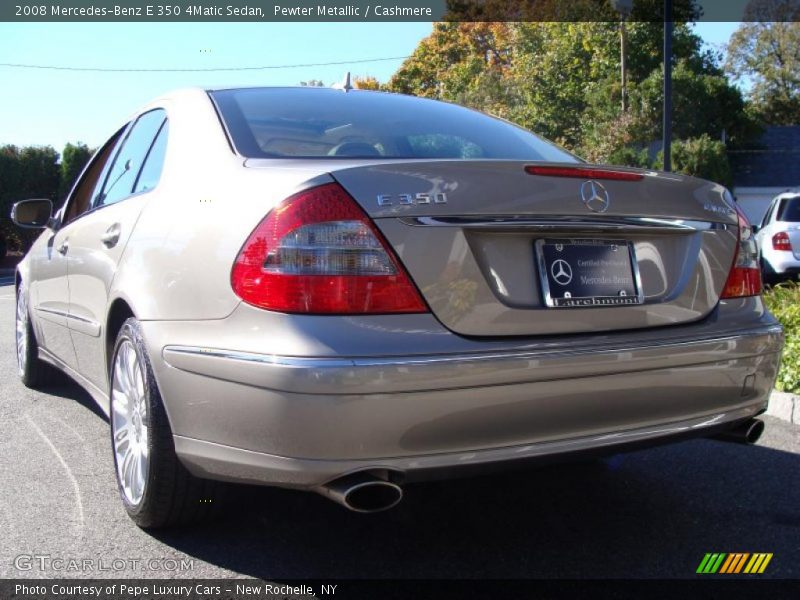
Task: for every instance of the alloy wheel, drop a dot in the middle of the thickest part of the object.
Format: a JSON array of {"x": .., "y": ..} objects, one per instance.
[
  {"x": 130, "y": 422},
  {"x": 22, "y": 332}
]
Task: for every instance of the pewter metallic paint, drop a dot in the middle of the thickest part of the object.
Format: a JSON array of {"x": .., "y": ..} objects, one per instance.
[{"x": 489, "y": 376}]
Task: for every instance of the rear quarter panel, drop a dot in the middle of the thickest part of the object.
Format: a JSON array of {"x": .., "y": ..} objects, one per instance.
[{"x": 178, "y": 261}]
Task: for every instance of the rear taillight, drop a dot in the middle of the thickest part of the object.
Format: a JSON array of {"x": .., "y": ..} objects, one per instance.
[
  {"x": 317, "y": 252},
  {"x": 781, "y": 241},
  {"x": 744, "y": 278}
]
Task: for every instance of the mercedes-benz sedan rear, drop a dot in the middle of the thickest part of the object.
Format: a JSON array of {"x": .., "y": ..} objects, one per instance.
[{"x": 342, "y": 291}]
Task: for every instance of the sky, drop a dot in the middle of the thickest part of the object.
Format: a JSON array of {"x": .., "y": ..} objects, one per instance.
[{"x": 44, "y": 107}]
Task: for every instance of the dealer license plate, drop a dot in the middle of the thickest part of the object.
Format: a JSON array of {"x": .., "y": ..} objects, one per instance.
[{"x": 577, "y": 273}]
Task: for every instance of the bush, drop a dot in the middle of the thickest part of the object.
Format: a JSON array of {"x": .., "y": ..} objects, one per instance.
[
  {"x": 784, "y": 302},
  {"x": 701, "y": 157},
  {"x": 629, "y": 157},
  {"x": 28, "y": 172}
]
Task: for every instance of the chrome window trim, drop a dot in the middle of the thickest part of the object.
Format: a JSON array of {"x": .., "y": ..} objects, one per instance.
[
  {"x": 96, "y": 202},
  {"x": 113, "y": 142}
]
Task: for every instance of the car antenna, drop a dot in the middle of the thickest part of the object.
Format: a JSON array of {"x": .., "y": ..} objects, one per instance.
[{"x": 344, "y": 84}]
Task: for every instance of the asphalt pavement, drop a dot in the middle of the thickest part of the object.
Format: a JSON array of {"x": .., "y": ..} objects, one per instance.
[{"x": 652, "y": 513}]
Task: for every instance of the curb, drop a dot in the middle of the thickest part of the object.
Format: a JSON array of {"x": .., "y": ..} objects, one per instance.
[{"x": 784, "y": 406}]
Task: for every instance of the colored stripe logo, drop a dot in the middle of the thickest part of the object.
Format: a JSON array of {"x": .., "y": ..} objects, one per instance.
[{"x": 734, "y": 563}]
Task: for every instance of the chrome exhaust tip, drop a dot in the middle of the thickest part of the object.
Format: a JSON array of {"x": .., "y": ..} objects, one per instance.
[
  {"x": 748, "y": 432},
  {"x": 363, "y": 492}
]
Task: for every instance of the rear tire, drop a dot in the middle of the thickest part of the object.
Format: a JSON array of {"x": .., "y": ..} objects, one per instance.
[
  {"x": 34, "y": 372},
  {"x": 155, "y": 488},
  {"x": 768, "y": 275}
]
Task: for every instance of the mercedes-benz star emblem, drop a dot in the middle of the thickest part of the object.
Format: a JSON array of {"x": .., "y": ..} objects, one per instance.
[
  {"x": 595, "y": 196},
  {"x": 561, "y": 272}
]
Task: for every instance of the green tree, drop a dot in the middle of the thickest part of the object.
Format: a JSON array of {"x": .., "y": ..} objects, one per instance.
[
  {"x": 73, "y": 159},
  {"x": 28, "y": 172},
  {"x": 561, "y": 79},
  {"x": 702, "y": 103},
  {"x": 701, "y": 157},
  {"x": 447, "y": 63},
  {"x": 767, "y": 53},
  {"x": 40, "y": 175},
  {"x": 367, "y": 82}
]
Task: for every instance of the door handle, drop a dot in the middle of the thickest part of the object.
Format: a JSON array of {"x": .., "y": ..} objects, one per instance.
[
  {"x": 111, "y": 236},
  {"x": 62, "y": 249}
]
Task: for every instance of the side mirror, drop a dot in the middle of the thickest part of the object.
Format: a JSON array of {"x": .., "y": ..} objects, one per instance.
[
  {"x": 32, "y": 214},
  {"x": 755, "y": 228}
]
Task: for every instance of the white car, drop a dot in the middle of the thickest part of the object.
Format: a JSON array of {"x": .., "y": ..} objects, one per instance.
[{"x": 778, "y": 238}]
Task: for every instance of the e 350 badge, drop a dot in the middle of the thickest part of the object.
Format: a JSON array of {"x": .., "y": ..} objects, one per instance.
[{"x": 407, "y": 199}]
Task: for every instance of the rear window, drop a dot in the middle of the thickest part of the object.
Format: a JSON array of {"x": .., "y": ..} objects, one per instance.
[
  {"x": 790, "y": 210},
  {"x": 329, "y": 123}
]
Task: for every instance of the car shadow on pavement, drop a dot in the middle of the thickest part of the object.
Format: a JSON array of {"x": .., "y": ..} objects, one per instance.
[
  {"x": 64, "y": 387},
  {"x": 651, "y": 513}
]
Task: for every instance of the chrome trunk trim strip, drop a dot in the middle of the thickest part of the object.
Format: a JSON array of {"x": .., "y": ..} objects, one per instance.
[{"x": 581, "y": 224}]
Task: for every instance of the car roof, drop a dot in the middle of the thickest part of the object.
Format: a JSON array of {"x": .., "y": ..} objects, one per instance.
[
  {"x": 182, "y": 94},
  {"x": 316, "y": 88}
]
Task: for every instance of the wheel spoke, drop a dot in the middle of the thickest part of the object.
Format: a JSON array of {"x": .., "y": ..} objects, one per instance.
[
  {"x": 120, "y": 404},
  {"x": 144, "y": 448},
  {"x": 124, "y": 467},
  {"x": 122, "y": 370},
  {"x": 139, "y": 476},
  {"x": 121, "y": 442},
  {"x": 130, "y": 365},
  {"x": 139, "y": 382}
]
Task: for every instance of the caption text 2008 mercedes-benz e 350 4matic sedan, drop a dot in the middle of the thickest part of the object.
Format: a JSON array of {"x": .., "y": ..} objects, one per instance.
[{"x": 344, "y": 291}]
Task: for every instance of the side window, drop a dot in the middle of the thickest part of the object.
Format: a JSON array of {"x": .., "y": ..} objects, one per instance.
[
  {"x": 92, "y": 179},
  {"x": 780, "y": 209},
  {"x": 767, "y": 216},
  {"x": 129, "y": 160},
  {"x": 153, "y": 162},
  {"x": 773, "y": 213}
]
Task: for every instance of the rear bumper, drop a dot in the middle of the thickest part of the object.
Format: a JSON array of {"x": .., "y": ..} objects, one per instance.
[
  {"x": 216, "y": 461},
  {"x": 301, "y": 421},
  {"x": 406, "y": 374},
  {"x": 781, "y": 263}
]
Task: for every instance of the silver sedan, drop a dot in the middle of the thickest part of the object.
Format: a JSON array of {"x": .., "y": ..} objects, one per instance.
[{"x": 343, "y": 291}]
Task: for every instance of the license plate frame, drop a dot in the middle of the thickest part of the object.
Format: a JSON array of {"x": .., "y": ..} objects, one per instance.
[{"x": 618, "y": 272}]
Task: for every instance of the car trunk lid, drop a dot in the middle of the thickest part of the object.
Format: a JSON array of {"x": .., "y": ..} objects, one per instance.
[
  {"x": 482, "y": 241},
  {"x": 793, "y": 231}
]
